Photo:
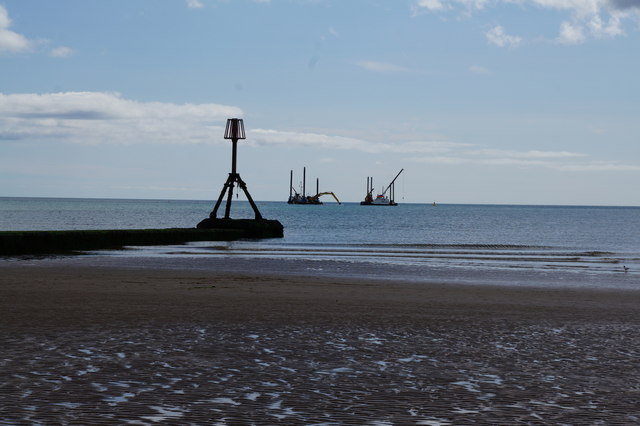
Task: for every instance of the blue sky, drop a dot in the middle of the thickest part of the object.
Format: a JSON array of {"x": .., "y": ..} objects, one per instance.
[{"x": 503, "y": 101}]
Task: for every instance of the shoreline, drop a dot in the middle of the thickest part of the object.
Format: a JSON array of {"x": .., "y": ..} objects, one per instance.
[
  {"x": 226, "y": 261},
  {"x": 219, "y": 295}
]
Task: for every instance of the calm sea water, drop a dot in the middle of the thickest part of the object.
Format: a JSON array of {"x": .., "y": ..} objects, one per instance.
[{"x": 411, "y": 240}]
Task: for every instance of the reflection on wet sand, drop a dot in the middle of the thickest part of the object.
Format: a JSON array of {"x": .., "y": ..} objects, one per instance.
[
  {"x": 307, "y": 375},
  {"x": 139, "y": 346}
]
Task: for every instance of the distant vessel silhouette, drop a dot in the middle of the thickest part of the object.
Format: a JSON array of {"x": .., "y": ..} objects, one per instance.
[
  {"x": 296, "y": 198},
  {"x": 381, "y": 199}
]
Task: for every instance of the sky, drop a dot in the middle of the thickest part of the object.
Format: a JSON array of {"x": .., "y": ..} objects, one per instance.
[{"x": 479, "y": 101}]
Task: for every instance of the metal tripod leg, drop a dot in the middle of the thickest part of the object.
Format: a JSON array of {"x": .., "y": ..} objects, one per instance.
[
  {"x": 229, "y": 181},
  {"x": 246, "y": 192},
  {"x": 228, "y": 187},
  {"x": 227, "y": 210}
]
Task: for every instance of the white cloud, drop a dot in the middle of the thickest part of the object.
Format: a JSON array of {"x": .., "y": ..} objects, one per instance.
[
  {"x": 571, "y": 33},
  {"x": 108, "y": 118},
  {"x": 600, "y": 28},
  {"x": 429, "y": 4},
  {"x": 451, "y": 160},
  {"x": 10, "y": 41},
  {"x": 554, "y": 160},
  {"x": 276, "y": 137},
  {"x": 327, "y": 160},
  {"x": 195, "y": 4},
  {"x": 579, "y": 20},
  {"x": 316, "y": 140},
  {"x": 381, "y": 67},
  {"x": 98, "y": 117},
  {"x": 598, "y": 167},
  {"x": 431, "y": 147},
  {"x": 467, "y": 6},
  {"x": 528, "y": 154},
  {"x": 477, "y": 69},
  {"x": 61, "y": 52},
  {"x": 498, "y": 37}
]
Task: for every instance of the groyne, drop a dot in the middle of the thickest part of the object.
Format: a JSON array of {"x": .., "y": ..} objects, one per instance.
[{"x": 44, "y": 242}]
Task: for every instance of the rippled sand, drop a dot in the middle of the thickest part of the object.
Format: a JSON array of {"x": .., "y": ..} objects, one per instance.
[{"x": 138, "y": 347}]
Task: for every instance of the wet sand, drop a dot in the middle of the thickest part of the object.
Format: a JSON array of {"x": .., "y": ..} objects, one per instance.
[{"x": 86, "y": 345}]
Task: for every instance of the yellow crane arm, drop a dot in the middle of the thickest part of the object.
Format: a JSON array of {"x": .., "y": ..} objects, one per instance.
[{"x": 327, "y": 193}]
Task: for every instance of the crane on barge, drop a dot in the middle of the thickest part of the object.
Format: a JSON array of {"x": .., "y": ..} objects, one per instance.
[
  {"x": 381, "y": 199},
  {"x": 296, "y": 198}
]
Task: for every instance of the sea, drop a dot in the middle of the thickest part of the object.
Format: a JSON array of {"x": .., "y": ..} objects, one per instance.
[{"x": 569, "y": 246}]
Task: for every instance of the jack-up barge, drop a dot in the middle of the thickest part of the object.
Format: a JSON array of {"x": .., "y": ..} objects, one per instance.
[
  {"x": 381, "y": 199},
  {"x": 296, "y": 198}
]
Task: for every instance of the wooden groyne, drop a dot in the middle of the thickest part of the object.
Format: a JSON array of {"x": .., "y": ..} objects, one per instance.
[{"x": 43, "y": 242}]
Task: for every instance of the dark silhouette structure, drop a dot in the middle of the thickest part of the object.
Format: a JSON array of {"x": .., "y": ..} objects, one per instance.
[
  {"x": 381, "y": 199},
  {"x": 235, "y": 132},
  {"x": 304, "y": 198},
  {"x": 258, "y": 227}
]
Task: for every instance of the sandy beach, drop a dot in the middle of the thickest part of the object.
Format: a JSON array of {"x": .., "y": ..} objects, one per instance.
[{"x": 115, "y": 345}]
